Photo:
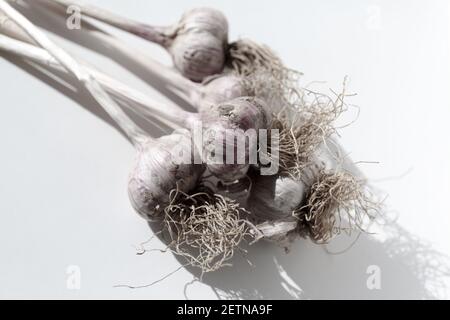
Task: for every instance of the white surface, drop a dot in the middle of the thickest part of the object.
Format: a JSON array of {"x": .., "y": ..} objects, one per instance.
[{"x": 63, "y": 171}]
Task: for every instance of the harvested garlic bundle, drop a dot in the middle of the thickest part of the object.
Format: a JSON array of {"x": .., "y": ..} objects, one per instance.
[
  {"x": 197, "y": 42},
  {"x": 311, "y": 219},
  {"x": 319, "y": 203}
]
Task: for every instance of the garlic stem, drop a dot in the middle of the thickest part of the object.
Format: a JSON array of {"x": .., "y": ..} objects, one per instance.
[
  {"x": 177, "y": 83},
  {"x": 10, "y": 28},
  {"x": 112, "y": 86},
  {"x": 135, "y": 133},
  {"x": 159, "y": 35},
  {"x": 167, "y": 74},
  {"x": 26, "y": 50}
]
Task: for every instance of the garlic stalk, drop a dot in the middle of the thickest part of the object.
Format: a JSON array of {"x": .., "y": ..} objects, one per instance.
[
  {"x": 114, "y": 87},
  {"x": 135, "y": 133},
  {"x": 10, "y": 28}
]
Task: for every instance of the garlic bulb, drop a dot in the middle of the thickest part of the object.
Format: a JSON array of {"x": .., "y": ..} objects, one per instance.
[
  {"x": 233, "y": 119},
  {"x": 156, "y": 173},
  {"x": 199, "y": 43}
]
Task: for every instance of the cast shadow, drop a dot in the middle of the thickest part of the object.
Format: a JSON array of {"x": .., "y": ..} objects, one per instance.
[{"x": 406, "y": 267}]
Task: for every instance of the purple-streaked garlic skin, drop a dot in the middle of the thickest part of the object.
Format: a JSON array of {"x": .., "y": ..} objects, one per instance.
[
  {"x": 199, "y": 43},
  {"x": 155, "y": 174},
  {"x": 218, "y": 89},
  {"x": 274, "y": 198},
  {"x": 232, "y": 117}
]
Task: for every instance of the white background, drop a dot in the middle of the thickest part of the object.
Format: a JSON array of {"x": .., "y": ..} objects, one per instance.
[{"x": 63, "y": 171}]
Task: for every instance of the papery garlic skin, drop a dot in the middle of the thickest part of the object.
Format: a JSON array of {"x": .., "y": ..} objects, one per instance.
[
  {"x": 199, "y": 43},
  {"x": 156, "y": 173}
]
